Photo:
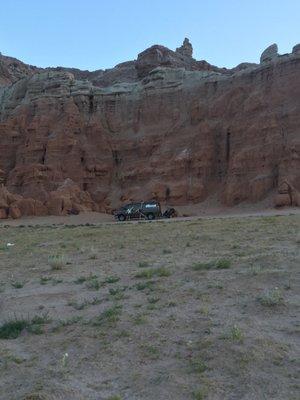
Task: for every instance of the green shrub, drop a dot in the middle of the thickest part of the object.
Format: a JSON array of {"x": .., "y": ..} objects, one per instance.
[{"x": 223, "y": 264}]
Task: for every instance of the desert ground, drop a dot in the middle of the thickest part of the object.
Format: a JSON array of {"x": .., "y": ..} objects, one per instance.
[{"x": 192, "y": 309}]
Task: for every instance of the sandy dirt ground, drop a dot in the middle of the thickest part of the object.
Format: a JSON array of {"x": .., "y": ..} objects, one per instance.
[
  {"x": 184, "y": 213},
  {"x": 189, "y": 310}
]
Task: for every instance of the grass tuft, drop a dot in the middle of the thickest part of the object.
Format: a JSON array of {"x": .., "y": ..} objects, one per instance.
[{"x": 57, "y": 262}]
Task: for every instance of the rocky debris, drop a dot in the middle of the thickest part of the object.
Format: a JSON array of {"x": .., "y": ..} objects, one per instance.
[
  {"x": 269, "y": 54},
  {"x": 186, "y": 49},
  {"x": 180, "y": 132},
  {"x": 296, "y": 49}
]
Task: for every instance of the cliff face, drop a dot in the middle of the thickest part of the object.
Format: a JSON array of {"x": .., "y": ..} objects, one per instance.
[{"x": 171, "y": 128}]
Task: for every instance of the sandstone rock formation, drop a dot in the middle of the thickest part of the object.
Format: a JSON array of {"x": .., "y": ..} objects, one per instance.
[{"x": 164, "y": 126}]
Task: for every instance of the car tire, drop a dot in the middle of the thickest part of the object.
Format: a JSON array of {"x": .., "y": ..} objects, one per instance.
[
  {"x": 121, "y": 217},
  {"x": 150, "y": 216}
]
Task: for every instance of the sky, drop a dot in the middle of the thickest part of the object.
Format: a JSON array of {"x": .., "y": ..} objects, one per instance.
[{"x": 91, "y": 34}]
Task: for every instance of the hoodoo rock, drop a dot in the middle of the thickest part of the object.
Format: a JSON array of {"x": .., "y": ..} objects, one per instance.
[
  {"x": 186, "y": 49},
  {"x": 164, "y": 127}
]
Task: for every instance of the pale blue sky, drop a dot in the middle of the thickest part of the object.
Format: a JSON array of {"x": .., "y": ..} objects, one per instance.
[{"x": 93, "y": 34}]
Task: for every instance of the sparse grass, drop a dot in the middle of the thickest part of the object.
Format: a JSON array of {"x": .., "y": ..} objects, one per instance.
[
  {"x": 179, "y": 351},
  {"x": 66, "y": 322},
  {"x": 150, "y": 273},
  {"x": 57, "y": 262},
  {"x": 150, "y": 351},
  {"x": 139, "y": 319},
  {"x": 219, "y": 264},
  {"x": 110, "y": 316},
  {"x": 271, "y": 298}
]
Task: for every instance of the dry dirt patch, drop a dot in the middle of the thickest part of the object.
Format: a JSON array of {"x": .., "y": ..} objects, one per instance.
[{"x": 201, "y": 309}]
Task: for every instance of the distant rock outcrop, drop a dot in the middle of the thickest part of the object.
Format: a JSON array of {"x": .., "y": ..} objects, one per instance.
[
  {"x": 269, "y": 54},
  {"x": 296, "y": 49},
  {"x": 164, "y": 126}
]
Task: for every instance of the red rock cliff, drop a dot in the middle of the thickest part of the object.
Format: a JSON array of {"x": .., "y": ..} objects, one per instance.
[{"x": 164, "y": 126}]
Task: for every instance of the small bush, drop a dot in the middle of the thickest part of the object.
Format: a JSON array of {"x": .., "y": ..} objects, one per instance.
[
  {"x": 93, "y": 284},
  {"x": 223, "y": 264},
  {"x": 12, "y": 329},
  {"x": 271, "y": 298},
  {"x": 112, "y": 279},
  {"x": 198, "y": 366},
  {"x": 234, "y": 334},
  {"x": 145, "y": 285},
  {"x": 17, "y": 285}
]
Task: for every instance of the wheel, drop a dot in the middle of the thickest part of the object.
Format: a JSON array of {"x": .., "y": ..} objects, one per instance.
[
  {"x": 121, "y": 217},
  {"x": 150, "y": 216}
]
